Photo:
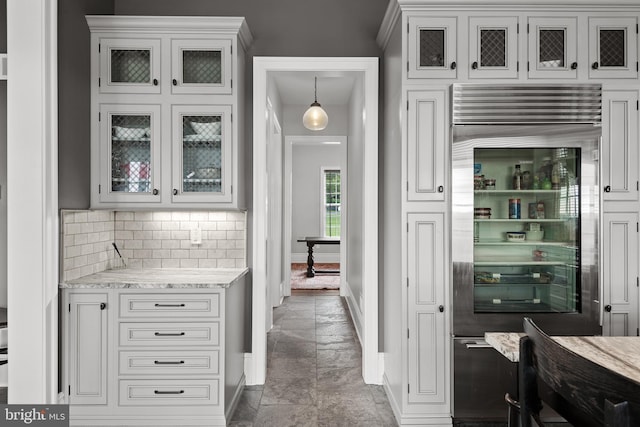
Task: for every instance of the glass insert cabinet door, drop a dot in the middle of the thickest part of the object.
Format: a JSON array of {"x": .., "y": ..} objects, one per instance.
[
  {"x": 493, "y": 47},
  {"x": 613, "y": 47},
  {"x": 129, "y": 66},
  {"x": 526, "y": 210},
  {"x": 130, "y": 154},
  {"x": 432, "y": 47},
  {"x": 552, "y": 47},
  {"x": 201, "y": 66},
  {"x": 201, "y": 153}
]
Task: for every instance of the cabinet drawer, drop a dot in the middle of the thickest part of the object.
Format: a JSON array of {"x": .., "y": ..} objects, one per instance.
[
  {"x": 169, "y": 392},
  {"x": 169, "y": 305},
  {"x": 169, "y": 362},
  {"x": 178, "y": 333}
]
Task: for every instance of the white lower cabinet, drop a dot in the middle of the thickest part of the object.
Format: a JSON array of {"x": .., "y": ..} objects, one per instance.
[
  {"x": 428, "y": 347},
  {"x": 153, "y": 356},
  {"x": 620, "y": 274}
]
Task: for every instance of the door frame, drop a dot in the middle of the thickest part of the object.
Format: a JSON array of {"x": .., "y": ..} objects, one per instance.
[{"x": 256, "y": 362}]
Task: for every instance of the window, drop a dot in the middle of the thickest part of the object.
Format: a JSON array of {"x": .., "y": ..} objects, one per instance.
[{"x": 331, "y": 202}]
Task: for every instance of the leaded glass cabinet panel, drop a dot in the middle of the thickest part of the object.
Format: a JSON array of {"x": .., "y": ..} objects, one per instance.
[
  {"x": 201, "y": 66},
  {"x": 130, "y": 153},
  {"x": 493, "y": 47},
  {"x": 613, "y": 47},
  {"x": 432, "y": 47},
  {"x": 553, "y": 48},
  {"x": 129, "y": 65},
  {"x": 201, "y": 153}
]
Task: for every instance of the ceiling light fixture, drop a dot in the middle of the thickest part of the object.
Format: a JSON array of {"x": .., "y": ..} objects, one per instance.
[{"x": 315, "y": 118}]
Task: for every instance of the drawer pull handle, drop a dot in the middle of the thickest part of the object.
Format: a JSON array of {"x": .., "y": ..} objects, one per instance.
[
  {"x": 169, "y": 334},
  {"x": 169, "y": 305},
  {"x": 168, "y": 391},
  {"x": 169, "y": 362}
]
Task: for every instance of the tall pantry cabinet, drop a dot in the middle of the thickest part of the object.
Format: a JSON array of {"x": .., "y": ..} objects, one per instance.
[
  {"x": 429, "y": 45},
  {"x": 167, "y": 99}
]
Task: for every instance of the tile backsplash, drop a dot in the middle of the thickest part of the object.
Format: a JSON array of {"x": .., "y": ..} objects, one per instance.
[{"x": 151, "y": 240}]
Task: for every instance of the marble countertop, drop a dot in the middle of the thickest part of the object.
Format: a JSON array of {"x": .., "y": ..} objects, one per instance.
[
  {"x": 3, "y": 317},
  {"x": 507, "y": 343},
  {"x": 618, "y": 354},
  {"x": 168, "y": 278}
]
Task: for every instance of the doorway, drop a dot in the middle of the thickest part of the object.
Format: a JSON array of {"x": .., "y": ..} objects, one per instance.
[{"x": 361, "y": 281}]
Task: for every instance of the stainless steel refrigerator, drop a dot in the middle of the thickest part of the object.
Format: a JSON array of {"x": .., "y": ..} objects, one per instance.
[{"x": 525, "y": 226}]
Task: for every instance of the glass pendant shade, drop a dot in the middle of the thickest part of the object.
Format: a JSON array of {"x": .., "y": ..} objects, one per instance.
[{"x": 315, "y": 118}]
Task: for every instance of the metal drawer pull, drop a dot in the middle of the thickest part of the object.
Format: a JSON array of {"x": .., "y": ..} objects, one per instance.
[
  {"x": 169, "y": 334},
  {"x": 168, "y": 392},
  {"x": 170, "y": 362},
  {"x": 169, "y": 305}
]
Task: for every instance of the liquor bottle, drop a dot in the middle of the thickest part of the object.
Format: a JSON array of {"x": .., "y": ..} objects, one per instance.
[{"x": 517, "y": 178}]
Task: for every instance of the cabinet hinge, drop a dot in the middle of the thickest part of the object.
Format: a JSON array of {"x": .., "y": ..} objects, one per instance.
[
  {"x": 637, "y": 228},
  {"x": 407, "y": 102},
  {"x": 528, "y": 66},
  {"x": 231, "y": 189},
  {"x": 637, "y": 282},
  {"x": 636, "y": 28},
  {"x": 408, "y": 388},
  {"x": 231, "y": 117},
  {"x": 407, "y": 227},
  {"x": 407, "y": 333},
  {"x": 637, "y": 102},
  {"x": 517, "y": 66},
  {"x": 407, "y": 186},
  {"x": 231, "y": 83},
  {"x": 99, "y": 116},
  {"x": 69, "y": 390},
  {"x": 637, "y": 66},
  {"x": 527, "y": 28},
  {"x": 407, "y": 282},
  {"x": 231, "y": 50},
  {"x": 407, "y": 66},
  {"x": 638, "y": 332},
  {"x": 407, "y": 28},
  {"x": 99, "y": 188},
  {"x": 99, "y": 46},
  {"x": 517, "y": 28},
  {"x": 99, "y": 82},
  {"x": 69, "y": 308}
]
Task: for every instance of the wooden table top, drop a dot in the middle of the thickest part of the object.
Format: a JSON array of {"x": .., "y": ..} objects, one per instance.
[{"x": 321, "y": 240}]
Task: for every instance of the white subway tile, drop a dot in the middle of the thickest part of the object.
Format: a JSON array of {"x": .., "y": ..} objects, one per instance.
[
  {"x": 86, "y": 249},
  {"x": 152, "y": 225},
  {"x": 162, "y": 216},
  {"x": 161, "y": 253},
  {"x": 240, "y": 225},
  {"x": 209, "y": 244},
  {"x": 67, "y": 217},
  {"x": 209, "y": 225},
  {"x": 118, "y": 225},
  {"x": 143, "y": 216},
  {"x": 170, "y": 244},
  {"x": 216, "y": 253},
  {"x": 132, "y": 244},
  {"x": 142, "y": 254},
  {"x": 226, "y": 244},
  {"x": 226, "y": 225},
  {"x": 134, "y": 263},
  {"x": 72, "y": 252},
  {"x": 68, "y": 240},
  {"x": 171, "y": 225},
  {"x": 73, "y": 229},
  {"x": 198, "y": 253},
  {"x": 93, "y": 237},
  {"x": 151, "y": 244},
  {"x": 124, "y": 216},
  {"x": 235, "y": 234},
  {"x": 188, "y": 263},
  {"x": 236, "y": 254},
  {"x": 179, "y": 254},
  {"x": 187, "y": 225},
  {"x": 170, "y": 263},
  {"x": 151, "y": 263},
  {"x": 124, "y": 235},
  {"x": 81, "y": 239},
  {"x": 142, "y": 235},
  {"x": 199, "y": 216},
  {"x": 179, "y": 216},
  {"x": 180, "y": 235},
  {"x": 133, "y": 225},
  {"x": 161, "y": 235},
  {"x": 80, "y": 217},
  {"x": 237, "y": 216},
  {"x": 215, "y": 235},
  {"x": 217, "y": 216},
  {"x": 207, "y": 263},
  {"x": 226, "y": 263}
]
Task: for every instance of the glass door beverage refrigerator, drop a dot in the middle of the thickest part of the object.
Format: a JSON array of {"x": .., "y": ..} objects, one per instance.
[{"x": 525, "y": 215}]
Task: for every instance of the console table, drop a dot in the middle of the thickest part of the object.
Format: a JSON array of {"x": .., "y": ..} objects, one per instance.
[{"x": 311, "y": 241}]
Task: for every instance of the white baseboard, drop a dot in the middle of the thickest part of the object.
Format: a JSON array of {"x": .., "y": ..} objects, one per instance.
[
  {"x": 236, "y": 398},
  {"x": 354, "y": 310},
  {"x": 317, "y": 257},
  {"x": 422, "y": 420}
]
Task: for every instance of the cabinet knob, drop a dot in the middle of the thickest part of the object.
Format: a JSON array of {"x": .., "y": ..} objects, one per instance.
[
  {"x": 607, "y": 308},
  {"x": 595, "y": 65},
  {"x": 155, "y": 82},
  {"x": 453, "y": 65},
  {"x": 175, "y": 191},
  {"x": 607, "y": 189},
  {"x": 441, "y": 308},
  {"x": 474, "y": 66},
  {"x": 175, "y": 82},
  {"x": 103, "y": 305},
  {"x": 574, "y": 65},
  {"x": 155, "y": 191}
]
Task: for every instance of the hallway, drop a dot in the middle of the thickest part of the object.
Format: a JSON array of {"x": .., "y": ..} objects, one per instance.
[{"x": 314, "y": 372}]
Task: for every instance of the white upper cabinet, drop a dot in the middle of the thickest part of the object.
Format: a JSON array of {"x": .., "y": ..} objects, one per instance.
[
  {"x": 129, "y": 65},
  {"x": 552, "y": 47},
  {"x": 613, "y": 47},
  {"x": 620, "y": 145},
  {"x": 201, "y": 66},
  {"x": 432, "y": 47},
  {"x": 493, "y": 47},
  {"x": 129, "y": 153},
  {"x": 201, "y": 153}
]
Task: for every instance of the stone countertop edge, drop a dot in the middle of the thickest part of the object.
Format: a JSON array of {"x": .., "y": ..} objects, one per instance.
[
  {"x": 506, "y": 343},
  {"x": 158, "y": 278}
]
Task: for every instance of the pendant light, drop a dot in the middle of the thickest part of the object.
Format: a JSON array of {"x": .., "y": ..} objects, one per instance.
[{"x": 315, "y": 118}]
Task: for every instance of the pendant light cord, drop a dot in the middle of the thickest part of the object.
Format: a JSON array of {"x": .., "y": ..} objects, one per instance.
[{"x": 315, "y": 90}]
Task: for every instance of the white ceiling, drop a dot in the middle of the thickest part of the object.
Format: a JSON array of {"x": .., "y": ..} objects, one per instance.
[{"x": 296, "y": 88}]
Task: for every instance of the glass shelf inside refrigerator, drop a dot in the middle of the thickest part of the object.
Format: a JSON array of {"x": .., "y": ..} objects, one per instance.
[{"x": 526, "y": 234}]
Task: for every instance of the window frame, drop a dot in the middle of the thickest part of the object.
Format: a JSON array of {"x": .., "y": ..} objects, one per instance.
[{"x": 323, "y": 197}]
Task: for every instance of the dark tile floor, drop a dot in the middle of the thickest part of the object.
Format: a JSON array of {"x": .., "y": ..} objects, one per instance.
[{"x": 314, "y": 371}]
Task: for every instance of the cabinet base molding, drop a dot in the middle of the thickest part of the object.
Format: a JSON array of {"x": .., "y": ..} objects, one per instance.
[{"x": 176, "y": 420}]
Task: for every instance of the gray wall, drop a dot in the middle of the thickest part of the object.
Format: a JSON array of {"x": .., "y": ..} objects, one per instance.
[
  {"x": 74, "y": 100},
  {"x": 283, "y": 27}
]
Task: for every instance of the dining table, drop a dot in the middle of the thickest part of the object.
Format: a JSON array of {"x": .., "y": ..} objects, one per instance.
[{"x": 311, "y": 242}]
